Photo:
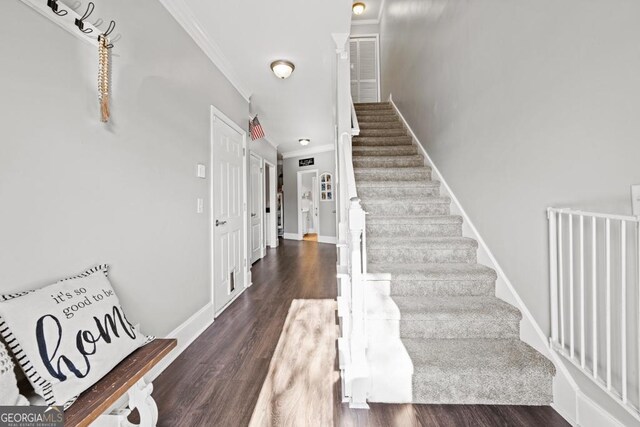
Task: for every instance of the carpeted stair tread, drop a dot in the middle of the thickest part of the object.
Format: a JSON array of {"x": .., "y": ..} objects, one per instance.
[
  {"x": 479, "y": 371},
  {"x": 475, "y": 356},
  {"x": 394, "y": 174},
  {"x": 381, "y": 125},
  {"x": 407, "y": 199},
  {"x": 455, "y": 308},
  {"x": 436, "y": 271},
  {"x": 382, "y": 141},
  {"x": 414, "y": 220},
  {"x": 374, "y": 105},
  {"x": 381, "y": 132},
  {"x": 384, "y": 150},
  {"x": 421, "y": 242},
  {"x": 386, "y": 117},
  {"x": 362, "y": 183},
  {"x": 388, "y": 161},
  {"x": 380, "y": 112}
]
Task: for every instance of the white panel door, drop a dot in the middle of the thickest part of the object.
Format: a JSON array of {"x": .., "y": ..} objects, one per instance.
[
  {"x": 364, "y": 69},
  {"x": 228, "y": 221},
  {"x": 256, "y": 208}
]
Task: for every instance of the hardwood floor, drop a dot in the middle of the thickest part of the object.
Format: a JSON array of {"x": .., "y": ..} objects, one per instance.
[{"x": 218, "y": 379}]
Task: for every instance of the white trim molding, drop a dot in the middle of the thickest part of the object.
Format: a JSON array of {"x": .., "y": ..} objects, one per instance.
[
  {"x": 291, "y": 236},
  {"x": 307, "y": 151},
  {"x": 187, "y": 19}
]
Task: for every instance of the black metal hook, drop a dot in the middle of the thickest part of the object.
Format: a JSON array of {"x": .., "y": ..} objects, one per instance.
[
  {"x": 53, "y": 5},
  {"x": 87, "y": 13},
  {"x": 110, "y": 28}
]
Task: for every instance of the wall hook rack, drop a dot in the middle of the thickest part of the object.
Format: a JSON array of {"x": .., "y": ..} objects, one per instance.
[
  {"x": 79, "y": 22},
  {"x": 53, "y": 5}
]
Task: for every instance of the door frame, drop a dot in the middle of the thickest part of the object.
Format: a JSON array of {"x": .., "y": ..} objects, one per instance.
[
  {"x": 299, "y": 192},
  {"x": 376, "y": 36},
  {"x": 262, "y": 208},
  {"x": 273, "y": 188},
  {"x": 216, "y": 114}
]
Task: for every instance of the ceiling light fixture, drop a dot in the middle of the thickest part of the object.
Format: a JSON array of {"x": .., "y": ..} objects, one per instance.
[
  {"x": 304, "y": 141},
  {"x": 282, "y": 69},
  {"x": 358, "y": 8}
]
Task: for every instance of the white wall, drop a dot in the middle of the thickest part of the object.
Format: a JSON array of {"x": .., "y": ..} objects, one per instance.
[
  {"x": 357, "y": 29},
  {"x": 74, "y": 192},
  {"x": 522, "y": 105}
]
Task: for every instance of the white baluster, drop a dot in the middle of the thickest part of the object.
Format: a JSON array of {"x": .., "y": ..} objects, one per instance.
[{"x": 608, "y": 298}]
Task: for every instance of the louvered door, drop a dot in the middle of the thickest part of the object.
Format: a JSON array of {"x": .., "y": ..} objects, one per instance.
[{"x": 364, "y": 69}]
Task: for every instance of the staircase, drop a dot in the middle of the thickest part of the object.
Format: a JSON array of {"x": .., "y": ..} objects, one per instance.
[{"x": 437, "y": 333}]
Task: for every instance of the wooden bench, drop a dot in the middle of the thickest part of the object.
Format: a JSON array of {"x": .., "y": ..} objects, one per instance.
[{"x": 125, "y": 378}]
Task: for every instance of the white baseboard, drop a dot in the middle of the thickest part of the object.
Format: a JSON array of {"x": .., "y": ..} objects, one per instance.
[
  {"x": 327, "y": 239},
  {"x": 565, "y": 388},
  {"x": 186, "y": 333},
  {"x": 292, "y": 236},
  {"x": 590, "y": 414}
]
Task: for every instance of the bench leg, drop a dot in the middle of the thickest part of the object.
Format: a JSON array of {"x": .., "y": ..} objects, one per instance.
[{"x": 140, "y": 398}]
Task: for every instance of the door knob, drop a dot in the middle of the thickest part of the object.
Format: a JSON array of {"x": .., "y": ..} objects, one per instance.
[
  {"x": 219, "y": 223},
  {"x": 253, "y": 215}
]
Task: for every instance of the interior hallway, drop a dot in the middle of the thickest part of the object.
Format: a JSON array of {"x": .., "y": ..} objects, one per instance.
[{"x": 217, "y": 380}]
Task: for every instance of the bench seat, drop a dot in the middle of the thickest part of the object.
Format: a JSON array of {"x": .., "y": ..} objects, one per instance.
[{"x": 126, "y": 377}]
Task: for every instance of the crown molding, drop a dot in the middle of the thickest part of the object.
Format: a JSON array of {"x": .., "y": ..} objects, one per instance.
[
  {"x": 307, "y": 151},
  {"x": 271, "y": 143},
  {"x": 365, "y": 22},
  {"x": 185, "y": 17}
]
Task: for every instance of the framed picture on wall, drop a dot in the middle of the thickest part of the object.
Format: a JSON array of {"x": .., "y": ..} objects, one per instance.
[{"x": 326, "y": 193}]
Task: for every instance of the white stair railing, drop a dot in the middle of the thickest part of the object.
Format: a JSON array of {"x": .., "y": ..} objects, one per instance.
[{"x": 594, "y": 262}]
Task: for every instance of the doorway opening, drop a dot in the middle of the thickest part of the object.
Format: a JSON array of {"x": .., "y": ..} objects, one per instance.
[
  {"x": 270, "y": 198},
  {"x": 308, "y": 208},
  {"x": 365, "y": 68}
]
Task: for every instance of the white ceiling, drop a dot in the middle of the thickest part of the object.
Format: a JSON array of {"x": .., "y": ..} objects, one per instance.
[
  {"x": 253, "y": 33},
  {"x": 371, "y": 11}
]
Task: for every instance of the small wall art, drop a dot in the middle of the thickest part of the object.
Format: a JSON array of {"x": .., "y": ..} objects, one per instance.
[{"x": 326, "y": 187}]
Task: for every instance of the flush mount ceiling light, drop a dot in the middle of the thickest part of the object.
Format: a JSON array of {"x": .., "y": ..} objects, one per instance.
[
  {"x": 282, "y": 69},
  {"x": 304, "y": 141},
  {"x": 358, "y": 8}
]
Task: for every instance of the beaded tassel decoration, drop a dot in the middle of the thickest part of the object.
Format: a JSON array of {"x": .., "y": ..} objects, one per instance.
[{"x": 103, "y": 77}]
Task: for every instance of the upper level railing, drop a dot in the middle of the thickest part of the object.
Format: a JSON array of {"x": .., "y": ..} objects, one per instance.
[{"x": 594, "y": 262}]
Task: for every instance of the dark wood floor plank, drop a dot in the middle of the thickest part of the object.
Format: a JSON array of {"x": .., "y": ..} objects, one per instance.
[{"x": 218, "y": 379}]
